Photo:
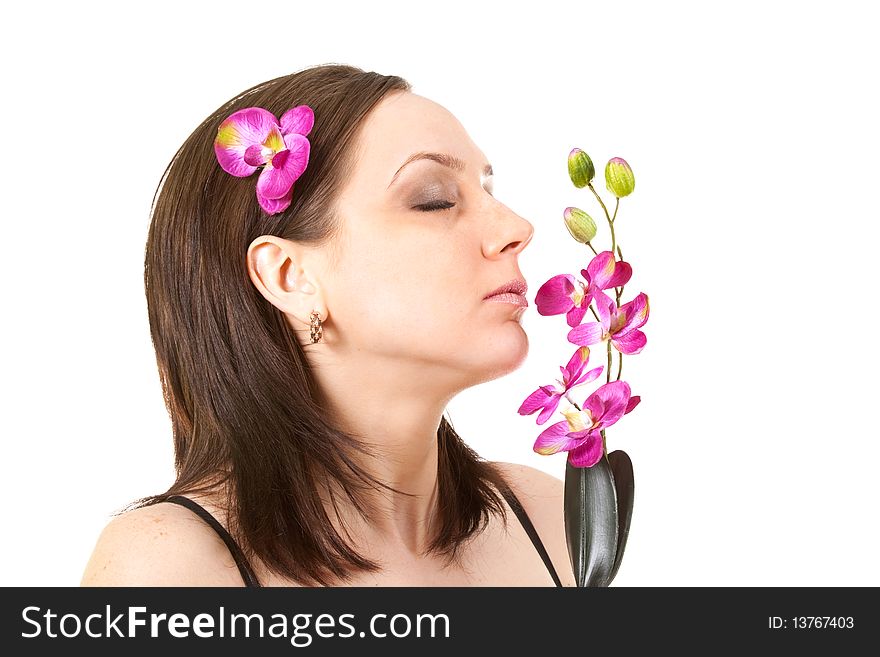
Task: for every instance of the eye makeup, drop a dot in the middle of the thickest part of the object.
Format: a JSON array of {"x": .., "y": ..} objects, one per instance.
[
  {"x": 433, "y": 191},
  {"x": 435, "y": 205}
]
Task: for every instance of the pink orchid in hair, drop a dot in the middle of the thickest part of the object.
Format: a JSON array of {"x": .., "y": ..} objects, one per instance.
[
  {"x": 253, "y": 137},
  {"x": 547, "y": 398},
  {"x": 621, "y": 326},
  {"x": 579, "y": 433},
  {"x": 565, "y": 294}
]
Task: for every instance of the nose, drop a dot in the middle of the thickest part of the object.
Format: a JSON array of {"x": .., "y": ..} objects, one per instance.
[{"x": 510, "y": 233}]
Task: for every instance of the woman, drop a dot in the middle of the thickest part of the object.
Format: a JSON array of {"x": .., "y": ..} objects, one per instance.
[{"x": 307, "y": 353}]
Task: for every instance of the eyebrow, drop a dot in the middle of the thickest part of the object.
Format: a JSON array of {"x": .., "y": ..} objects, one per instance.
[{"x": 443, "y": 158}]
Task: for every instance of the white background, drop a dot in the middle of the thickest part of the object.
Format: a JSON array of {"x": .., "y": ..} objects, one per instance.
[{"x": 752, "y": 131}]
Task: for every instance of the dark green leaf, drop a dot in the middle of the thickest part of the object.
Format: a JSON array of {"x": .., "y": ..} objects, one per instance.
[
  {"x": 591, "y": 526},
  {"x": 622, "y": 472}
]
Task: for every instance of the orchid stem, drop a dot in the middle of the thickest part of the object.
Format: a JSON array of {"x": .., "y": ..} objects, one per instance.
[
  {"x": 611, "y": 225},
  {"x": 619, "y": 290},
  {"x": 619, "y": 364},
  {"x": 607, "y": 216},
  {"x": 593, "y": 249},
  {"x": 599, "y": 198},
  {"x": 608, "y": 369}
]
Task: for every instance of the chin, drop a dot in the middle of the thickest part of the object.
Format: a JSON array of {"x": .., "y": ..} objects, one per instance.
[{"x": 506, "y": 351}]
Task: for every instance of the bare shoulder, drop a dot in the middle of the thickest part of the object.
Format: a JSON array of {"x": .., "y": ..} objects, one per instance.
[
  {"x": 531, "y": 482},
  {"x": 160, "y": 545},
  {"x": 542, "y": 496}
]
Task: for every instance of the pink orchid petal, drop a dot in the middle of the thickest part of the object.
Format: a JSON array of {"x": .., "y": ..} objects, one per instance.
[
  {"x": 554, "y": 296},
  {"x": 299, "y": 119},
  {"x": 592, "y": 375},
  {"x": 576, "y": 314},
  {"x": 622, "y": 273},
  {"x": 279, "y": 159},
  {"x": 536, "y": 400},
  {"x": 605, "y": 272},
  {"x": 242, "y": 129},
  {"x": 586, "y": 334},
  {"x": 274, "y": 182},
  {"x": 549, "y": 409},
  {"x": 595, "y": 404},
  {"x": 271, "y": 184},
  {"x": 614, "y": 397},
  {"x": 575, "y": 365},
  {"x": 556, "y": 438},
  {"x": 632, "y": 403},
  {"x": 600, "y": 269},
  {"x": 275, "y": 205},
  {"x": 629, "y": 343},
  {"x": 588, "y": 453},
  {"x": 605, "y": 308},
  {"x": 300, "y": 148},
  {"x": 253, "y": 155},
  {"x": 636, "y": 313}
]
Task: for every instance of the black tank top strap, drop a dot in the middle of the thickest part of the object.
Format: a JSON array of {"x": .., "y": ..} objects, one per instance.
[
  {"x": 250, "y": 578},
  {"x": 247, "y": 573},
  {"x": 526, "y": 522}
]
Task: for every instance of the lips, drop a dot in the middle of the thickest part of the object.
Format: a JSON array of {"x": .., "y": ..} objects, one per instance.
[{"x": 513, "y": 291}]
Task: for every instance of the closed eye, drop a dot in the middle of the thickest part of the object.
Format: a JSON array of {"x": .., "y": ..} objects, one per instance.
[{"x": 435, "y": 205}]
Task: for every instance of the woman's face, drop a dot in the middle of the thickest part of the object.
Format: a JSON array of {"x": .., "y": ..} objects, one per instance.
[{"x": 410, "y": 284}]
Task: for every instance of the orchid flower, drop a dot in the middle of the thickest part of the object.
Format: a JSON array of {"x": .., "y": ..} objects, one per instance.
[
  {"x": 580, "y": 432},
  {"x": 560, "y": 294},
  {"x": 621, "y": 326},
  {"x": 547, "y": 398},
  {"x": 253, "y": 137}
]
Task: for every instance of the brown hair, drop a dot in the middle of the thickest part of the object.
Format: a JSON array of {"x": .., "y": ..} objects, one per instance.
[{"x": 244, "y": 406}]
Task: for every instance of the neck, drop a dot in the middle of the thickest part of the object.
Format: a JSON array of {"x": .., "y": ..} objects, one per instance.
[{"x": 398, "y": 417}]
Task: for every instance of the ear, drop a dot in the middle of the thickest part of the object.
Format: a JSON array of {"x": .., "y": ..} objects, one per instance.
[{"x": 275, "y": 266}]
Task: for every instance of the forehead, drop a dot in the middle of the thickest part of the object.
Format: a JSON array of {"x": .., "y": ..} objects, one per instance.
[{"x": 401, "y": 124}]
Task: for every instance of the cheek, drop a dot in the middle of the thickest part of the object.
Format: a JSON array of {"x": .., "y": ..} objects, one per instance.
[{"x": 416, "y": 294}]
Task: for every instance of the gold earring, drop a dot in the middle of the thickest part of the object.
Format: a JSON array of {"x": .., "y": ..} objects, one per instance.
[{"x": 317, "y": 330}]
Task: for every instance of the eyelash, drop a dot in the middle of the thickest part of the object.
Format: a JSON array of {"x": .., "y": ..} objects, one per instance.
[{"x": 436, "y": 205}]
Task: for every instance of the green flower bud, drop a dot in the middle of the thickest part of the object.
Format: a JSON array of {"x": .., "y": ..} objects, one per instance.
[
  {"x": 619, "y": 178},
  {"x": 580, "y": 168},
  {"x": 579, "y": 224}
]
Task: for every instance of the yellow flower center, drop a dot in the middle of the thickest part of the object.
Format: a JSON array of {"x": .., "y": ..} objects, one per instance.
[
  {"x": 618, "y": 322},
  {"x": 576, "y": 419}
]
